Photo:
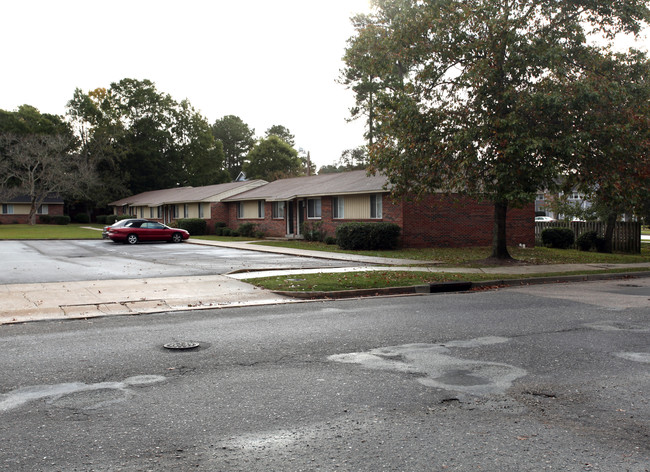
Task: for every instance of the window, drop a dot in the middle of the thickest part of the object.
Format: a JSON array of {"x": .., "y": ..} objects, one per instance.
[
  {"x": 200, "y": 210},
  {"x": 175, "y": 207},
  {"x": 185, "y": 211},
  {"x": 150, "y": 212},
  {"x": 159, "y": 212},
  {"x": 375, "y": 205},
  {"x": 313, "y": 208},
  {"x": 7, "y": 209},
  {"x": 42, "y": 210},
  {"x": 278, "y": 210},
  {"x": 338, "y": 207},
  {"x": 253, "y": 209}
]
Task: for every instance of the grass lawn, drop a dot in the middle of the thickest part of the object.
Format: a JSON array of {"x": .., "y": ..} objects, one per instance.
[
  {"x": 365, "y": 280},
  {"x": 71, "y": 231},
  {"x": 453, "y": 257}
]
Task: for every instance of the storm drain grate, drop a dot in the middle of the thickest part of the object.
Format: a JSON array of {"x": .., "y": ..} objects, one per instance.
[{"x": 181, "y": 345}]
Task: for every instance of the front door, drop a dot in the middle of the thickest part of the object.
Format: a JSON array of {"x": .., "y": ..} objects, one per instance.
[
  {"x": 290, "y": 219},
  {"x": 301, "y": 215}
]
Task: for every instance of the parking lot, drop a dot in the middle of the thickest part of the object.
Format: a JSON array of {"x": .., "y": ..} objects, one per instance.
[{"x": 77, "y": 260}]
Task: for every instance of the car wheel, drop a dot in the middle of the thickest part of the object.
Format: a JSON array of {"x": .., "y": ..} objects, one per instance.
[
  {"x": 177, "y": 237},
  {"x": 132, "y": 238}
]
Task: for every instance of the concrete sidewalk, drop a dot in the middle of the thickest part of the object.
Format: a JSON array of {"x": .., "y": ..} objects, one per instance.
[
  {"x": 334, "y": 256},
  {"x": 87, "y": 299}
]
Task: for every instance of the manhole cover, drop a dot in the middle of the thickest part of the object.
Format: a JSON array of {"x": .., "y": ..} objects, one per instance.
[{"x": 181, "y": 345}]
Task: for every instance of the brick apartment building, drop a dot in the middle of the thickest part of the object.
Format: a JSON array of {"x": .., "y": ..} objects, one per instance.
[{"x": 280, "y": 208}]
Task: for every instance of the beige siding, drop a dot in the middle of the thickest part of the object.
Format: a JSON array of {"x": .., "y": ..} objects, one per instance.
[
  {"x": 250, "y": 209},
  {"x": 356, "y": 207},
  {"x": 192, "y": 210},
  {"x": 21, "y": 209}
]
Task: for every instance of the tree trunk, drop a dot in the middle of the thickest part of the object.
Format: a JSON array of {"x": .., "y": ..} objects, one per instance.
[
  {"x": 609, "y": 230},
  {"x": 499, "y": 241},
  {"x": 32, "y": 212}
]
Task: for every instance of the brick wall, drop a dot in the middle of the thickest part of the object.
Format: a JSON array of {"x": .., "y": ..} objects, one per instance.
[
  {"x": 457, "y": 221},
  {"x": 218, "y": 213},
  {"x": 268, "y": 225},
  {"x": 437, "y": 220},
  {"x": 391, "y": 213}
]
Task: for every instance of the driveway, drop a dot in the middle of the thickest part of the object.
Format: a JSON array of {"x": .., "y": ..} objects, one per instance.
[{"x": 77, "y": 260}]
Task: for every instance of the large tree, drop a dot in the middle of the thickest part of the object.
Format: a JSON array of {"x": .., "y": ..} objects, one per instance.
[
  {"x": 283, "y": 133},
  {"x": 473, "y": 96},
  {"x": 146, "y": 138},
  {"x": 272, "y": 158},
  {"x": 237, "y": 140},
  {"x": 613, "y": 97},
  {"x": 38, "y": 157}
]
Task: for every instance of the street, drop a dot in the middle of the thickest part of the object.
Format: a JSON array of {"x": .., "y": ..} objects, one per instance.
[{"x": 521, "y": 379}]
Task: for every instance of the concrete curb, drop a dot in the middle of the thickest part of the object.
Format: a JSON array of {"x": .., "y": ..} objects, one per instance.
[{"x": 448, "y": 287}]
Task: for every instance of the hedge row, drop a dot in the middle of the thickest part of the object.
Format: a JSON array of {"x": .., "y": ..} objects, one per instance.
[
  {"x": 194, "y": 226},
  {"x": 368, "y": 236},
  {"x": 54, "y": 220}
]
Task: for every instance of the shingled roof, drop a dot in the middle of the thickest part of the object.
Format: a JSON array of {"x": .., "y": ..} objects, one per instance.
[
  {"x": 344, "y": 183},
  {"x": 208, "y": 193},
  {"x": 51, "y": 199}
]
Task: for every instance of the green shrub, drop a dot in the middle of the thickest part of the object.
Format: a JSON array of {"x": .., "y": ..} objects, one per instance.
[
  {"x": 601, "y": 244},
  {"x": 587, "y": 240},
  {"x": 247, "y": 229},
  {"x": 559, "y": 238},
  {"x": 330, "y": 240},
  {"x": 45, "y": 219},
  {"x": 61, "y": 220},
  {"x": 83, "y": 218},
  {"x": 259, "y": 234},
  {"x": 234, "y": 232},
  {"x": 225, "y": 232},
  {"x": 313, "y": 231},
  {"x": 368, "y": 236},
  {"x": 194, "y": 226}
]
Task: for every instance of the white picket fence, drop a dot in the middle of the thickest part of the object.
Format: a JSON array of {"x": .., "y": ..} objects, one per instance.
[{"x": 627, "y": 235}]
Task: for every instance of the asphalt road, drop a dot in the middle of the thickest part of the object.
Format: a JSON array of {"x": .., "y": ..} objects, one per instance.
[
  {"x": 523, "y": 379},
  {"x": 75, "y": 260}
]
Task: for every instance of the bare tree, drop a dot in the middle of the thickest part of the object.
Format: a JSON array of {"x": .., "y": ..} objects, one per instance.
[{"x": 40, "y": 165}]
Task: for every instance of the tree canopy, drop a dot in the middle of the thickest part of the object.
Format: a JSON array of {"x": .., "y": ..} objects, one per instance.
[
  {"x": 237, "y": 139},
  {"x": 142, "y": 139},
  {"x": 478, "y": 97},
  {"x": 614, "y": 123},
  {"x": 272, "y": 158},
  {"x": 38, "y": 157},
  {"x": 283, "y": 133}
]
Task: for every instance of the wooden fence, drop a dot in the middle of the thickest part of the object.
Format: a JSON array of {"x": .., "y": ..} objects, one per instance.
[{"x": 627, "y": 235}]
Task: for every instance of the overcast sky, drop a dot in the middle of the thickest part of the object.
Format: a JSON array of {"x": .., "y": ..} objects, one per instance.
[{"x": 266, "y": 61}]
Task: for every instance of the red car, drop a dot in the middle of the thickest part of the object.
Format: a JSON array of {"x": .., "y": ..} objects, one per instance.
[{"x": 145, "y": 230}]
